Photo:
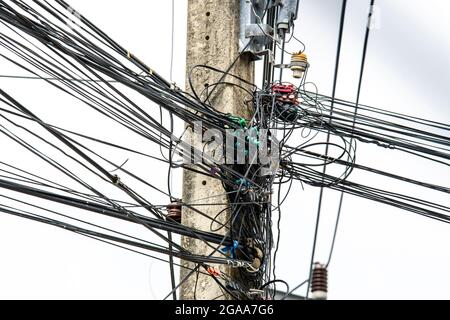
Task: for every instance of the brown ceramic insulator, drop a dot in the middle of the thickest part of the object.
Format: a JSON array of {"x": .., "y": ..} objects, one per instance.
[
  {"x": 174, "y": 211},
  {"x": 319, "y": 281}
]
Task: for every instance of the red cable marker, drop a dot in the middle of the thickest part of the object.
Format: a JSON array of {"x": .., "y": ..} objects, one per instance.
[{"x": 214, "y": 271}]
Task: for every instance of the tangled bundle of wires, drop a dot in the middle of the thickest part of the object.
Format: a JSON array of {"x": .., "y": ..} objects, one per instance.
[{"x": 50, "y": 41}]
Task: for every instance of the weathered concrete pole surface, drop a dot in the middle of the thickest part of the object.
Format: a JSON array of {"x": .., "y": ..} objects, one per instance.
[{"x": 213, "y": 40}]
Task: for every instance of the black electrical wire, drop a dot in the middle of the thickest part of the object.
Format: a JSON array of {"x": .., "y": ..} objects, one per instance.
[{"x": 336, "y": 72}]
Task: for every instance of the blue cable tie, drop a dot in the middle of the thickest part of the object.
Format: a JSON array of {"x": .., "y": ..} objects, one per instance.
[{"x": 231, "y": 249}]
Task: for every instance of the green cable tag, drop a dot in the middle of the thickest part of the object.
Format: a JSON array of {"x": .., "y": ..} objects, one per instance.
[{"x": 239, "y": 120}]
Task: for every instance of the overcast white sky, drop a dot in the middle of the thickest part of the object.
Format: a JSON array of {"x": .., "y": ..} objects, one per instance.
[{"x": 381, "y": 252}]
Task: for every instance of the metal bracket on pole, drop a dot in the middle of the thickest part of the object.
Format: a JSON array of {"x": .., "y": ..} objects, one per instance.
[{"x": 254, "y": 34}]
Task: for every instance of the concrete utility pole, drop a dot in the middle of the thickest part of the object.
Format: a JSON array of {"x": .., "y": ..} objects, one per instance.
[{"x": 212, "y": 39}]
